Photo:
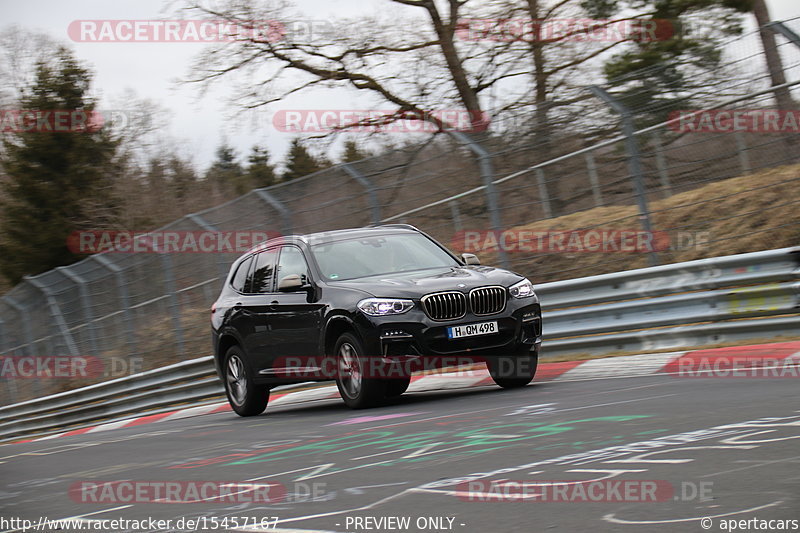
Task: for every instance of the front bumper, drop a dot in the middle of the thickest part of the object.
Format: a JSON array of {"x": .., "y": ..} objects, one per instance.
[{"x": 414, "y": 334}]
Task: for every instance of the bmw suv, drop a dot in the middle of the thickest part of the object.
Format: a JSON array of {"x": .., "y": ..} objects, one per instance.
[{"x": 367, "y": 307}]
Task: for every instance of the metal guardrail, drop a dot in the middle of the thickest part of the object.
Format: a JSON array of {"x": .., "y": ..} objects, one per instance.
[
  {"x": 707, "y": 301},
  {"x": 182, "y": 382},
  {"x": 685, "y": 304}
]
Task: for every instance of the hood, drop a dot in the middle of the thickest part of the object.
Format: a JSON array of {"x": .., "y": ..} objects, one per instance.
[{"x": 421, "y": 282}]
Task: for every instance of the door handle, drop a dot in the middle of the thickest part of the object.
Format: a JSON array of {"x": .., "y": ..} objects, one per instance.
[{"x": 274, "y": 302}]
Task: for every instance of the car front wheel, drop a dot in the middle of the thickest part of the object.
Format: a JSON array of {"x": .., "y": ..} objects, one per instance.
[
  {"x": 358, "y": 390},
  {"x": 245, "y": 397},
  {"x": 514, "y": 371}
]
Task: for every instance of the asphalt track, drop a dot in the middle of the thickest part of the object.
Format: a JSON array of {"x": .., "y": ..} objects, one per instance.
[{"x": 723, "y": 448}]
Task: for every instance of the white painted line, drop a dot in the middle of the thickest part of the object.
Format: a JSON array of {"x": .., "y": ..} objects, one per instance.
[
  {"x": 443, "y": 382},
  {"x": 614, "y": 520},
  {"x": 256, "y": 529},
  {"x": 320, "y": 393},
  {"x": 110, "y": 425},
  {"x": 627, "y": 366},
  {"x": 51, "y": 436},
  {"x": 193, "y": 411}
]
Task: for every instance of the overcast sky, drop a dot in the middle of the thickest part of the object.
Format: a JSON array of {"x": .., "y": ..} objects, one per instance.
[{"x": 150, "y": 69}]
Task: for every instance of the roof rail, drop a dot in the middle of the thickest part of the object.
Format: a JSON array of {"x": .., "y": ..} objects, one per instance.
[
  {"x": 404, "y": 226},
  {"x": 266, "y": 244}
]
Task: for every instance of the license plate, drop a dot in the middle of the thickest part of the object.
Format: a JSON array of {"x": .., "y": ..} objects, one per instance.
[{"x": 471, "y": 330}]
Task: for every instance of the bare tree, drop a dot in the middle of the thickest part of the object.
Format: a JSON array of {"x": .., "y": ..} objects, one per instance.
[{"x": 414, "y": 63}]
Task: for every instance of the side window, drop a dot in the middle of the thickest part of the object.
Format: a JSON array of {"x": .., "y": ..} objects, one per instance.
[
  {"x": 292, "y": 262},
  {"x": 240, "y": 278},
  {"x": 263, "y": 272}
]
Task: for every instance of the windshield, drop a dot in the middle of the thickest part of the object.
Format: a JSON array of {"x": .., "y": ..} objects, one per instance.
[{"x": 378, "y": 255}]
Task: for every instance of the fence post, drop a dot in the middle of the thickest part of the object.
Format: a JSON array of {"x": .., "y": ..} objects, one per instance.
[
  {"x": 455, "y": 212},
  {"x": 13, "y": 392},
  {"x": 86, "y": 303},
  {"x": 175, "y": 308},
  {"x": 487, "y": 173},
  {"x": 201, "y": 222},
  {"x": 55, "y": 313},
  {"x": 122, "y": 289},
  {"x": 26, "y": 323},
  {"x": 277, "y": 205},
  {"x": 783, "y": 96},
  {"x": 634, "y": 161},
  {"x": 594, "y": 179},
  {"x": 663, "y": 174},
  {"x": 24, "y": 314},
  {"x": 543, "y": 194},
  {"x": 781, "y": 28},
  {"x": 372, "y": 195},
  {"x": 744, "y": 157}
]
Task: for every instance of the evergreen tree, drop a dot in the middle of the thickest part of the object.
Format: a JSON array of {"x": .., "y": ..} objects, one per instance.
[
  {"x": 182, "y": 176},
  {"x": 259, "y": 172},
  {"x": 352, "y": 152},
  {"x": 657, "y": 74},
  {"x": 299, "y": 162},
  {"x": 226, "y": 172},
  {"x": 56, "y": 182}
]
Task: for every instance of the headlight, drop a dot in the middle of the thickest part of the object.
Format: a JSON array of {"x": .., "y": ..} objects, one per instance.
[
  {"x": 523, "y": 289},
  {"x": 384, "y": 306}
]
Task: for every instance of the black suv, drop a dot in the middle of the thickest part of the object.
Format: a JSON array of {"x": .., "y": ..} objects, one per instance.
[{"x": 367, "y": 307}]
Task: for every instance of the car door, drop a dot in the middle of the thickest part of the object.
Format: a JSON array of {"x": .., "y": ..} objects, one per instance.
[
  {"x": 258, "y": 306},
  {"x": 296, "y": 317}
]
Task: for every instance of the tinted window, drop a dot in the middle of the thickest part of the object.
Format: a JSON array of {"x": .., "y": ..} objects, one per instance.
[
  {"x": 263, "y": 273},
  {"x": 292, "y": 262},
  {"x": 239, "y": 279},
  {"x": 382, "y": 254}
]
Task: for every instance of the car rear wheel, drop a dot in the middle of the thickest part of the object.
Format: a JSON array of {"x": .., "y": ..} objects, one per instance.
[
  {"x": 514, "y": 371},
  {"x": 358, "y": 390},
  {"x": 245, "y": 397}
]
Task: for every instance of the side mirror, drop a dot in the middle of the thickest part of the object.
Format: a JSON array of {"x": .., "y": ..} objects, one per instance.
[
  {"x": 470, "y": 259},
  {"x": 289, "y": 283}
]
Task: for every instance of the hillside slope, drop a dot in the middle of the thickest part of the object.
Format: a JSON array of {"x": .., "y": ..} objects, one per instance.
[{"x": 745, "y": 214}]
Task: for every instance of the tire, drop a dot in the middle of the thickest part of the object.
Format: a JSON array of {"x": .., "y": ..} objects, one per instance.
[
  {"x": 396, "y": 387},
  {"x": 246, "y": 398},
  {"x": 357, "y": 391},
  {"x": 514, "y": 371}
]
